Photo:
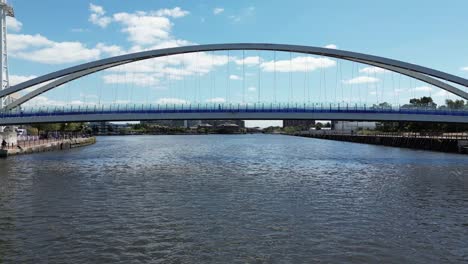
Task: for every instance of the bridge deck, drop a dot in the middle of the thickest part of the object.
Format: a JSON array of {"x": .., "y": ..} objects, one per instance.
[{"x": 167, "y": 113}]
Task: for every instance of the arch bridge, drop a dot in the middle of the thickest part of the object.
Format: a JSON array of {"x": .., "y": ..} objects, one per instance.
[{"x": 15, "y": 113}]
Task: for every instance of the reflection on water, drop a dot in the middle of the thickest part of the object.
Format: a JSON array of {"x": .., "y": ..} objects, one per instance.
[{"x": 233, "y": 198}]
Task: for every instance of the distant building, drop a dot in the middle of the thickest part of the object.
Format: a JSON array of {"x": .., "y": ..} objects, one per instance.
[
  {"x": 166, "y": 123},
  {"x": 301, "y": 123},
  {"x": 192, "y": 123},
  {"x": 99, "y": 128},
  {"x": 218, "y": 123},
  {"x": 228, "y": 128},
  {"x": 352, "y": 125},
  {"x": 107, "y": 128}
]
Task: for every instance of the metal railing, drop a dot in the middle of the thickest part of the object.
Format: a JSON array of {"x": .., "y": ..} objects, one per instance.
[
  {"x": 367, "y": 133},
  {"x": 227, "y": 108}
]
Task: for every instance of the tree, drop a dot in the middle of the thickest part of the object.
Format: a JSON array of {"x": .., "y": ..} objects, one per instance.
[
  {"x": 426, "y": 102},
  {"x": 72, "y": 127},
  {"x": 46, "y": 127},
  {"x": 32, "y": 131},
  {"x": 383, "y": 105},
  {"x": 423, "y": 102},
  {"x": 457, "y": 104}
]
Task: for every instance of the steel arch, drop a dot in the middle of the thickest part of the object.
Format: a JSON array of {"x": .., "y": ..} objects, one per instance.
[{"x": 63, "y": 76}]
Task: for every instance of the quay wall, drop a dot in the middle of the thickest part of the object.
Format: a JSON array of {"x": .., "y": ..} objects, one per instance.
[
  {"x": 451, "y": 145},
  {"x": 47, "y": 146}
]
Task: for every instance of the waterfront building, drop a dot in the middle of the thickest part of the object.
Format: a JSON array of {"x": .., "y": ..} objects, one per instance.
[
  {"x": 218, "y": 123},
  {"x": 192, "y": 123},
  {"x": 353, "y": 125},
  {"x": 300, "y": 123},
  {"x": 99, "y": 128},
  {"x": 228, "y": 128},
  {"x": 166, "y": 123}
]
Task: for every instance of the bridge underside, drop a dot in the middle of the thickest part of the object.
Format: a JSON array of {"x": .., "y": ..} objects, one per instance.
[{"x": 99, "y": 117}]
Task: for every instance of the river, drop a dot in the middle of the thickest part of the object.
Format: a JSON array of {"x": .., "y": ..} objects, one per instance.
[{"x": 233, "y": 199}]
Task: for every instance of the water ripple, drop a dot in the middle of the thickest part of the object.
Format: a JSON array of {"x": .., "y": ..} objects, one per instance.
[{"x": 233, "y": 199}]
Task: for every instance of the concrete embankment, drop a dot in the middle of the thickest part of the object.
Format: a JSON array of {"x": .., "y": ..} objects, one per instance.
[
  {"x": 442, "y": 144},
  {"x": 35, "y": 147}
]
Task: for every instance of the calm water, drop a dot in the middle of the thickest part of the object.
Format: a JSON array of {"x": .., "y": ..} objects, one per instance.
[{"x": 233, "y": 199}]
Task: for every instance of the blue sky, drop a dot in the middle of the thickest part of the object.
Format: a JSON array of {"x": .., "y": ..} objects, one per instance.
[{"x": 50, "y": 35}]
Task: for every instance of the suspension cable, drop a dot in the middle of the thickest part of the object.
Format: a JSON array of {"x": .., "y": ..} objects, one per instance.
[
  {"x": 228, "y": 91},
  {"x": 243, "y": 76},
  {"x": 274, "y": 75},
  {"x": 290, "y": 78},
  {"x": 259, "y": 76}
]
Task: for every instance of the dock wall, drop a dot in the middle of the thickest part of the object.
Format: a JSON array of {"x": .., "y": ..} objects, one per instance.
[
  {"x": 35, "y": 147},
  {"x": 451, "y": 145}
]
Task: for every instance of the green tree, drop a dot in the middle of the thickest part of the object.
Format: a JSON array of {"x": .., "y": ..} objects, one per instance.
[
  {"x": 423, "y": 102},
  {"x": 44, "y": 128},
  {"x": 383, "y": 105},
  {"x": 425, "y": 126},
  {"x": 457, "y": 104}
]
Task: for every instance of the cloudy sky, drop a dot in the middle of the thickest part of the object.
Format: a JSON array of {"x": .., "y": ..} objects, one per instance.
[{"x": 53, "y": 34}]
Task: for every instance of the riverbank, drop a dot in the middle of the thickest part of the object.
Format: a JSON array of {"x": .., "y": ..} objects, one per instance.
[
  {"x": 432, "y": 143},
  {"x": 46, "y": 145}
]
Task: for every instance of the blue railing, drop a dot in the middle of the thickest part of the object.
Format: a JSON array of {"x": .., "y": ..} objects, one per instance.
[{"x": 226, "y": 108}]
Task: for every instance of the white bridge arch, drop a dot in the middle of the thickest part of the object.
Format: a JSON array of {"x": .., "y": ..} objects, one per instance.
[{"x": 55, "y": 79}]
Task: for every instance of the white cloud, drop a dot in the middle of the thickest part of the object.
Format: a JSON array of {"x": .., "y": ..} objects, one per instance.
[
  {"x": 144, "y": 29},
  {"x": 331, "y": 46},
  {"x": 248, "y": 61},
  {"x": 422, "y": 89},
  {"x": 13, "y": 24},
  {"x": 176, "y": 66},
  {"x": 217, "y": 100},
  {"x": 15, "y": 79},
  {"x": 298, "y": 64},
  {"x": 399, "y": 90},
  {"x": 441, "y": 93},
  {"x": 38, "y": 48},
  {"x": 97, "y": 16},
  {"x": 235, "y": 18},
  {"x": 112, "y": 50},
  {"x": 464, "y": 69},
  {"x": 17, "y": 42},
  {"x": 175, "y": 12},
  {"x": 171, "y": 101},
  {"x": 372, "y": 70},
  {"x": 140, "y": 79},
  {"x": 361, "y": 79},
  {"x": 79, "y": 30},
  {"x": 245, "y": 13},
  {"x": 148, "y": 28},
  {"x": 45, "y": 101},
  {"x": 235, "y": 77},
  {"x": 99, "y": 10},
  {"x": 60, "y": 52},
  {"x": 218, "y": 10},
  {"x": 252, "y": 89}
]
